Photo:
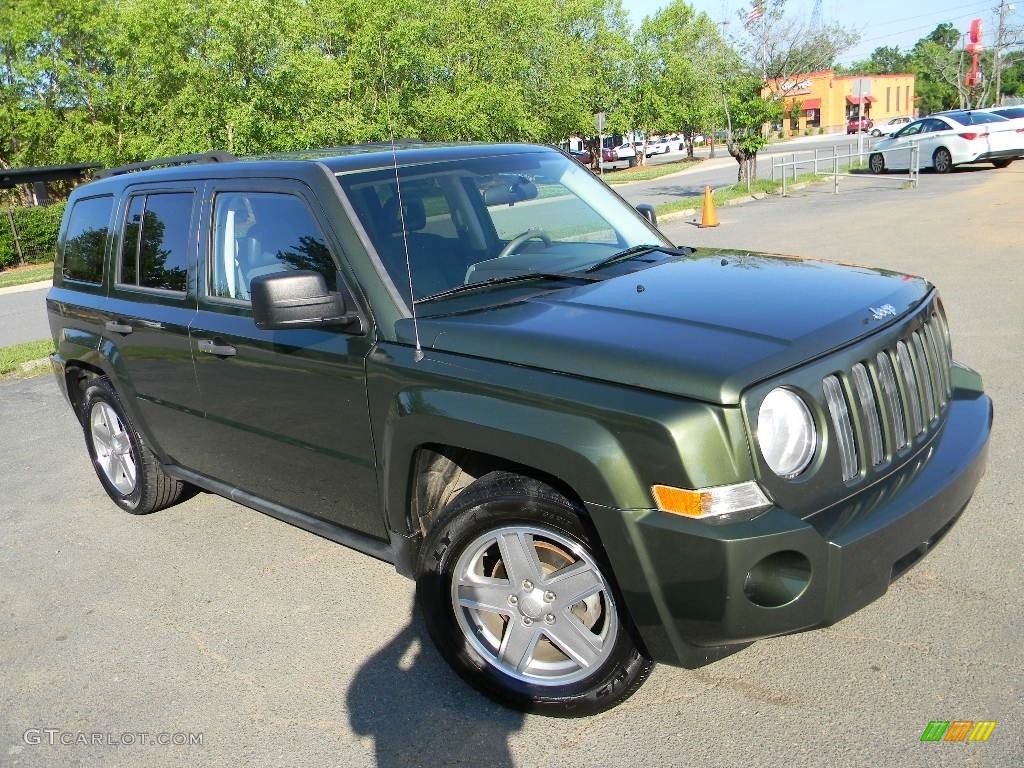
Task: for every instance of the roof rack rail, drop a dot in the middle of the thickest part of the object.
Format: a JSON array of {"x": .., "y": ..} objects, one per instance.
[{"x": 216, "y": 156}]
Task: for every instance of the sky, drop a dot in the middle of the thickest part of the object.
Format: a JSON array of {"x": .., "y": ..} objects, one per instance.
[{"x": 899, "y": 23}]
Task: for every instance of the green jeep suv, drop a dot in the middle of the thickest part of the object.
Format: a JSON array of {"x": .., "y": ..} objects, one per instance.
[{"x": 591, "y": 449}]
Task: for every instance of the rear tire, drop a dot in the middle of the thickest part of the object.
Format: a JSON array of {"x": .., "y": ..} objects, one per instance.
[
  {"x": 1005, "y": 163},
  {"x": 520, "y": 602},
  {"x": 942, "y": 161},
  {"x": 128, "y": 471}
]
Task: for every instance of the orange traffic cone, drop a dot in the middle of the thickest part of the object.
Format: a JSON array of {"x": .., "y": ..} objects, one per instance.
[{"x": 708, "y": 217}]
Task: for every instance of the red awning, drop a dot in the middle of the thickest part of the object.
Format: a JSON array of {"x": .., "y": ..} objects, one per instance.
[
  {"x": 812, "y": 104},
  {"x": 859, "y": 100}
]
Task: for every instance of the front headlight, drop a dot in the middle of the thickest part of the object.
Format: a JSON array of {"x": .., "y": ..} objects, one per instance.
[{"x": 785, "y": 432}]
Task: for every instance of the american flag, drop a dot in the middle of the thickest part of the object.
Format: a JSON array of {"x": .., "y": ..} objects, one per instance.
[{"x": 756, "y": 13}]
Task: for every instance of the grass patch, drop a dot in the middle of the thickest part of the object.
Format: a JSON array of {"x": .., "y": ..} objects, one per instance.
[
  {"x": 33, "y": 273},
  {"x": 19, "y": 360},
  {"x": 648, "y": 172},
  {"x": 740, "y": 191}
]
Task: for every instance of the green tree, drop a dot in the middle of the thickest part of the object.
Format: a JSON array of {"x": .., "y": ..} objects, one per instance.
[
  {"x": 939, "y": 64},
  {"x": 690, "y": 68},
  {"x": 748, "y": 112},
  {"x": 884, "y": 60},
  {"x": 121, "y": 80}
]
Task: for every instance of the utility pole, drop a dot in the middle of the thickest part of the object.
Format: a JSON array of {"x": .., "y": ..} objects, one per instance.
[{"x": 1005, "y": 9}]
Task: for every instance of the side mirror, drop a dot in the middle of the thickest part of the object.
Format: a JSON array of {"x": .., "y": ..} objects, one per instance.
[
  {"x": 297, "y": 299},
  {"x": 647, "y": 211}
]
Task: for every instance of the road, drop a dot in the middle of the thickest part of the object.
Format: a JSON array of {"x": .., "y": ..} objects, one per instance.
[
  {"x": 23, "y": 315},
  {"x": 721, "y": 170},
  {"x": 280, "y": 648}
]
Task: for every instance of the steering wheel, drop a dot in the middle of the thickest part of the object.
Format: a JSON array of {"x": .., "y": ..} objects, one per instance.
[{"x": 515, "y": 242}]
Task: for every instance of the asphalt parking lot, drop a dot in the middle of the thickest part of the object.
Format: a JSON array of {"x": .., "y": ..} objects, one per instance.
[{"x": 211, "y": 623}]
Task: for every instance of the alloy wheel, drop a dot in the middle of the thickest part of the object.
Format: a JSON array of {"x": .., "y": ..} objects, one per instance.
[
  {"x": 113, "y": 447},
  {"x": 535, "y": 605}
]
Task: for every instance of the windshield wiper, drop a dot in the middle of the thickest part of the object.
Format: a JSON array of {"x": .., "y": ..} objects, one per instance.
[
  {"x": 638, "y": 250},
  {"x": 510, "y": 279}
]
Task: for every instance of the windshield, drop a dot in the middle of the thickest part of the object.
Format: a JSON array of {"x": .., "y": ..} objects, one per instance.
[{"x": 484, "y": 219}]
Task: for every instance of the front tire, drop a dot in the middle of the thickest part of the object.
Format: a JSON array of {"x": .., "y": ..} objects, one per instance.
[
  {"x": 942, "y": 161},
  {"x": 1004, "y": 163},
  {"x": 520, "y": 602},
  {"x": 876, "y": 163},
  {"x": 128, "y": 471}
]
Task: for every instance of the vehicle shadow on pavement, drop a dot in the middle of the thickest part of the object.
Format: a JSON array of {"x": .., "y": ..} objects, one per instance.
[{"x": 421, "y": 714}]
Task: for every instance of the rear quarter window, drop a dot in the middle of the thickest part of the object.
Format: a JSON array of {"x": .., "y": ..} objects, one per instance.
[{"x": 85, "y": 239}]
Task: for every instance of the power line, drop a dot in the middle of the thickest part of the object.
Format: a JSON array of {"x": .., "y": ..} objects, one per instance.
[
  {"x": 929, "y": 26},
  {"x": 936, "y": 13}
]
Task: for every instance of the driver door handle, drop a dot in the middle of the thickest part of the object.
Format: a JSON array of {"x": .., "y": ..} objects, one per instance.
[
  {"x": 211, "y": 347},
  {"x": 115, "y": 327}
]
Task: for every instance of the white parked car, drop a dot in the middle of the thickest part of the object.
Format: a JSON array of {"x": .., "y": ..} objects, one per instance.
[
  {"x": 625, "y": 151},
  {"x": 658, "y": 147},
  {"x": 889, "y": 127},
  {"x": 949, "y": 139}
]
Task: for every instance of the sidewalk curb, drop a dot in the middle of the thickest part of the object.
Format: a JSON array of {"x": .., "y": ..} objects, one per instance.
[
  {"x": 26, "y": 287},
  {"x": 693, "y": 212}
]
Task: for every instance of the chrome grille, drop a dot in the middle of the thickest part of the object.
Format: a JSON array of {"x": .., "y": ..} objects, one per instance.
[
  {"x": 883, "y": 404},
  {"x": 869, "y": 407},
  {"x": 843, "y": 425}
]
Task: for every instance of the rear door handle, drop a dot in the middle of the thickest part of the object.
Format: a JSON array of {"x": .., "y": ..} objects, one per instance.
[
  {"x": 211, "y": 347},
  {"x": 116, "y": 327}
]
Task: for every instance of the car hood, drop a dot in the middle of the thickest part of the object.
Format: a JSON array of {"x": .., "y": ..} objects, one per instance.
[{"x": 705, "y": 326}]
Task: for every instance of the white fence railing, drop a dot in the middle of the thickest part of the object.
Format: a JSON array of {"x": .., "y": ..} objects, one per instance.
[{"x": 836, "y": 164}]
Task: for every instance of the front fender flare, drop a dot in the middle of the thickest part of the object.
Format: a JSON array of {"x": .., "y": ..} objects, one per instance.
[{"x": 595, "y": 464}]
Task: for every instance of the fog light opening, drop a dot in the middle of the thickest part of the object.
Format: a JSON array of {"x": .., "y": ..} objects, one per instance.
[{"x": 778, "y": 579}]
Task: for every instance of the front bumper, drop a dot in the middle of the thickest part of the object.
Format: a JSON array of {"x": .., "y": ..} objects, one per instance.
[{"x": 698, "y": 592}]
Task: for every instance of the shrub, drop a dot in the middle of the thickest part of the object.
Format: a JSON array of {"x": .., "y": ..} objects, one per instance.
[{"x": 37, "y": 234}]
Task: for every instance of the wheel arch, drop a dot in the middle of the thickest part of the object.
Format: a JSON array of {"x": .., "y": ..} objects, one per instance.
[
  {"x": 78, "y": 374},
  {"x": 85, "y": 357},
  {"x": 574, "y": 454},
  {"x": 82, "y": 356},
  {"x": 439, "y": 473}
]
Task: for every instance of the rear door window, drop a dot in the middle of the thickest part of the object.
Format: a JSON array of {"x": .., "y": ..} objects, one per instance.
[{"x": 154, "y": 249}]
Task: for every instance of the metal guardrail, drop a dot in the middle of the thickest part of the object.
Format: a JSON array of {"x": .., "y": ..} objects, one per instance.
[{"x": 838, "y": 165}]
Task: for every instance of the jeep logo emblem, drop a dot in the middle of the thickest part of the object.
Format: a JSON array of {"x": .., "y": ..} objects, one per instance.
[{"x": 882, "y": 312}]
